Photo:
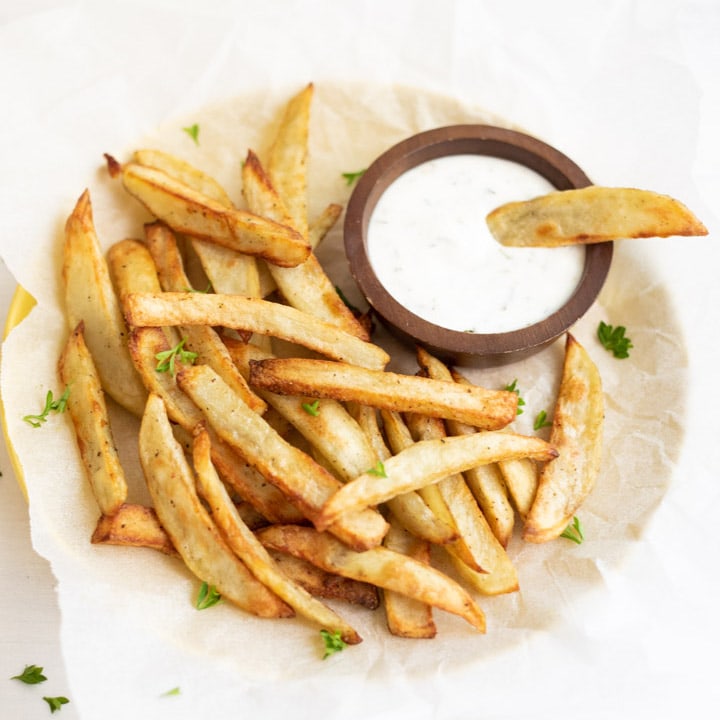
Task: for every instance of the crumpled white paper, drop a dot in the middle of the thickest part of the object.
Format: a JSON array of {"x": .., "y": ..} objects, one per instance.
[{"x": 108, "y": 76}]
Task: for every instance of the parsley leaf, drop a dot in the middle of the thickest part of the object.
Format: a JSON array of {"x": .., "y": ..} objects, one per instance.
[
  {"x": 574, "y": 531},
  {"x": 51, "y": 405},
  {"x": 166, "y": 358},
  {"x": 31, "y": 675},
  {"x": 312, "y": 408},
  {"x": 333, "y": 642},
  {"x": 614, "y": 340},
  {"x": 207, "y": 597},
  {"x": 170, "y": 693},
  {"x": 378, "y": 470},
  {"x": 352, "y": 177},
  {"x": 541, "y": 421},
  {"x": 512, "y": 387},
  {"x": 194, "y": 132},
  {"x": 56, "y": 703}
]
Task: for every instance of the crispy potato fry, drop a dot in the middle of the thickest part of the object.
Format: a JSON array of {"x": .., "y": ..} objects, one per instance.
[
  {"x": 576, "y": 432},
  {"x": 323, "y": 224},
  {"x": 249, "y": 549},
  {"x": 305, "y": 286},
  {"x": 382, "y": 567},
  {"x": 424, "y": 463},
  {"x": 145, "y": 344},
  {"x": 327, "y": 585},
  {"x": 287, "y": 160},
  {"x": 90, "y": 298},
  {"x": 306, "y": 483},
  {"x": 190, "y": 212},
  {"x": 88, "y": 412},
  {"x": 487, "y": 486},
  {"x": 201, "y": 339},
  {"x": 489, "y": 409},
  {"x": 520, "y": 476},
  {"x": 132, "y": 268},
  {"x": 228, "y": 270},
  {"x": 133, "y": 526},
  {"x": 406, "y": 616},
  {"x": 197, "y": 540},
  {"x": 590, "y": 215},
  {"x": 255, "y": 315}
]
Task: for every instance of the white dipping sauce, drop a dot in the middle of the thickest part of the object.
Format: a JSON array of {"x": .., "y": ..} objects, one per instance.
[{"x": 430, "y": 247}]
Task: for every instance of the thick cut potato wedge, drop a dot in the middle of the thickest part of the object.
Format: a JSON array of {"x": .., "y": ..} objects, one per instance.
[
  {"x": 576, "y": 432},
  {"x": 488, "y": 409},
  {"x": 249, "y": 549},
  {"x": 382, "y": 567},
  {"x": 303, "y": 481},
  {"x": 427, "y": 462},
  {"x": 133, "y": 526},
  {"x": 90, "y": 299},
  {"x": 190, "y": 212},
  {"x": 88, "y": 412},
  {"x": 591, "y": 215},
  {"x": 305, "y": 286},
  {"x": 193, "y": 533},
  {"x": 255, "y": 315}
]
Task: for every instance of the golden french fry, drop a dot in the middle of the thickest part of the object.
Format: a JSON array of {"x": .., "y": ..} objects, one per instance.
[
  {"x": 133, "y": 526},
  {"x": 190, "y": 212},
  {"x": 132, "y": 268},
  {"x": 301, "y": 479},
  {"x": 255, "y": 315},
  {"x": 489, "y": 409},
  {"x": 228, "y": 270},
  {"x": 406, "y": 616},
  {"x": 590, "y": 215},
  {"x": 287, "y": 160},
  {"x": 88, "y": 412},
  {"x": 249, "y": 549},
  {"x": 427, "y": 462},
  {"x": 145, "y": 344},
  {"x": 520, "y": 476},
  {"x": 323, "y": 224},
  {"x": 326, "y": 585},
  {"x": 305, "y": 286},
  {"x": 197, "y": 540},
  {"x": 200, "y": 339},
  {"x": 90, "y": 298},
  {"x": 576, "y": 432},
  {"x": 382, "y": 567},
  {"x": 487, "y": 486}
]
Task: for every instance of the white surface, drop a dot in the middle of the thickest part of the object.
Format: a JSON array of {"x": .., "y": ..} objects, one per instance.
[{"x": 647, "y": 652}]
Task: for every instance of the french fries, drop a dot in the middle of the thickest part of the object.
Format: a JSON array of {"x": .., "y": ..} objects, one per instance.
[
  {"x": 88, "y": 412},
  {"x": 590, "y": 215},
  {"x": 133, "y": 526},
  {"x": 577, "y": 433},
  {"x": 486, "y": 409},
  {"x": 255, "y": 315}
]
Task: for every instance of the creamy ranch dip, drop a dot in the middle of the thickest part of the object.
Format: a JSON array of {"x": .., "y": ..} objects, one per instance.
[{"x": 430, "y": 247}]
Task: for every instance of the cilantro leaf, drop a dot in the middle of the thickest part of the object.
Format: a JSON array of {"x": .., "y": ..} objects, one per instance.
[
  {"x": 512, "y": 387},
  {"x": 312, "y": 408},
  {"x": 166, "y": 358},
  {"x": 56, "y": 703},
  {"x": 574, "y": 531},
  {"x": 378, "y": 470},
  {"x": 352, "y": 177},
  {"x": 208, "y": 596},
  {"x": 31, "y": 675},
  {"x": 194, "y": 132},
  {"x": 51, "y": 405},
  {"x": 541, "y": 421},
  {"x": 333, "y": 642},
  {"x": 614, "y": 340}
]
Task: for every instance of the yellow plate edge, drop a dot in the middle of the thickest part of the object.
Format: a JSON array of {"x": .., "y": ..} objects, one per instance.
[{"x": 20, "y": 306}]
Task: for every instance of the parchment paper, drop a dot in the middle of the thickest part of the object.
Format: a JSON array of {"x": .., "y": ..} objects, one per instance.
[{"x": 130, "y": 630}]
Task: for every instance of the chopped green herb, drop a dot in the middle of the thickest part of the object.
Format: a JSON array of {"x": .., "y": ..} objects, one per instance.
[
  {"x": 194, "y": 132},
  {"x": 378, "y": 470},
  {"x": 173, "y": 691},
  {"x": 614, "y": 340},
  {"x": 51, "y": 405},
  {"x": 541, "y": 421},
  {"x": 348, "y": 304},
  {"x": 512, "y": 387},
  {"x": 207, "y": 597},
  {"x": 574, "y": 531},
  {"x": 56, "y": 703},
  {"x": 166, "y": 359},
  {"x": 207, "y": 289},
  {"x": 333, "y": 642},
  {"x": 312, "y": 408},
  {"x": 352, "y": 177},
  {"x": 31, "y": 675}
]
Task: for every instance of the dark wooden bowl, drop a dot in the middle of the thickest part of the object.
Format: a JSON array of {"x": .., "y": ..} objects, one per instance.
[{"x": 478, "y": 349}]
